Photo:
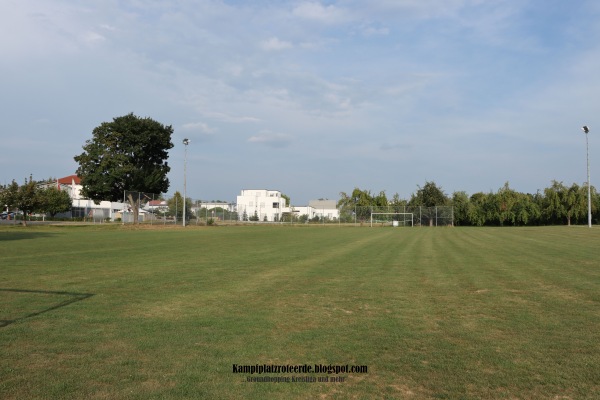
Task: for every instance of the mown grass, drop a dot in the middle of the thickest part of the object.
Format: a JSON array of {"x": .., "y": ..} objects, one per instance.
[{"x": 470, "y": 313}]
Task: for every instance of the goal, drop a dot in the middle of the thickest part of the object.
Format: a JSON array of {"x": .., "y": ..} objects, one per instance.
[{"x": 392, "y": 218}]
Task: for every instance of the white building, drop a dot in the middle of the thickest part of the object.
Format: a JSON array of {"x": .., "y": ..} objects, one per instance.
[
  {"x": 86, "y": 208},
  {"x": 156, "y": 206},
  {"x": 267, "y": 205},
  {"x": 325, "y": 210},
  {"x": 211, "y": 205}
]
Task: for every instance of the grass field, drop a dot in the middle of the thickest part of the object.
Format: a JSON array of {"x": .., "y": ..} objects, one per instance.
[{"x": 108, "y": 312}]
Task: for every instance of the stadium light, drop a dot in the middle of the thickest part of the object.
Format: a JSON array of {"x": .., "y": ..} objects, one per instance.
[
  {"x": 186, "y": 141},
  {"x": 586, "y": 130}
]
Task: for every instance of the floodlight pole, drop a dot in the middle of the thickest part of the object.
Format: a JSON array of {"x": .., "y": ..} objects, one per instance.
[
  {"x": 185, "y": 143},
  {"x": 586, "y": 130}
]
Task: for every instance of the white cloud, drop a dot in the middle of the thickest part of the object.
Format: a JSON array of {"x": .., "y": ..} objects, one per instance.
[
  {"x": 276, "y": 140},
  {"x": 275, "y": 44},
  {"x": 412, "y": 8},
  {"x": 235, "y": 70},
  {"x": 108, "y": 27},
  {"x": 372, "y": 31},
  {"x": 198, "y": 127},
  {"x": 317, "y": 12},
  {"x": 226, "y": 117},
  {"x": 93, "y": 37}
]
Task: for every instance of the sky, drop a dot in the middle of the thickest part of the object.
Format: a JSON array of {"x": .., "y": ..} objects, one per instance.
[{"x": 311, "y": 98}]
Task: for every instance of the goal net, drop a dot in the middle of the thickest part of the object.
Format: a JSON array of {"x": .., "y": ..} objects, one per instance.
[{"x": 392, "y": 218}]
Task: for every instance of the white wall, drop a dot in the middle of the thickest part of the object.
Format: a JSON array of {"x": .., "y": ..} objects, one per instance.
[
  {"x": 329, "y": 213},
  {"x": 83, "y": 207},
  {"x": 266, "y": 203}
]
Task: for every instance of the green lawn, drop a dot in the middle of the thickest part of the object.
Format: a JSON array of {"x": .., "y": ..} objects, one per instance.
[{"x": 106, "y": 312}]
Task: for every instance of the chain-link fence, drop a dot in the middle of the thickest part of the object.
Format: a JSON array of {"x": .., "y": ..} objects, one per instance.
[
  {"x": 404, "y": 215},
  {"x": 169, "y": 209}
]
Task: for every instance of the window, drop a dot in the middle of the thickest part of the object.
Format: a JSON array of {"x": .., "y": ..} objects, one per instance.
[{"x": 275, "y": 205}]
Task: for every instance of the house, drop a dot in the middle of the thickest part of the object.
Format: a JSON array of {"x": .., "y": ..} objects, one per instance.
[
  {"x": 71, "y": 183},
  {"x": 156, "y": 206},
  {"x": 325, "y": 210},
  {"x": 83, "y": 207},
  {"x": 267, "y": 205}
]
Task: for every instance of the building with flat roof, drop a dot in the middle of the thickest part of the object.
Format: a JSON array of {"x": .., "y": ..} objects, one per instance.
[{"x": 267, "y": 205}]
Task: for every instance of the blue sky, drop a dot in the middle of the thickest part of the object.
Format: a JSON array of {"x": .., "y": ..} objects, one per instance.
[{"x": 311, "y": 98}]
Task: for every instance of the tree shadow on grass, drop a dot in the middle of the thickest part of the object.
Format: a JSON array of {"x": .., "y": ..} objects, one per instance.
[
  {"x": 20, "y": 235},
  {"x": 72, "y": 298}
]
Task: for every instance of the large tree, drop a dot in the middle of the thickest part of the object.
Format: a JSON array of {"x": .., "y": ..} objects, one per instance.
[{"x": 127, "y": 154}]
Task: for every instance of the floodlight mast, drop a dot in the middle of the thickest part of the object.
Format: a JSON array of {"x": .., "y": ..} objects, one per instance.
[
  {"x": 186, "y": 141},
  {"x": 586, "y": 130}
]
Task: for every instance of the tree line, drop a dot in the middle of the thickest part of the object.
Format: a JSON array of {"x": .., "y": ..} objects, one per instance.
[
  {"x": 34, "y": 197},
  {"x": 557, "y": 204}
]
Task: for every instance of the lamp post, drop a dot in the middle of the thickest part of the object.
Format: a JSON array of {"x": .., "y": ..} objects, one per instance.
[
  {"x": 586, "y": 130},
  {"x": 185, "y": 143}
]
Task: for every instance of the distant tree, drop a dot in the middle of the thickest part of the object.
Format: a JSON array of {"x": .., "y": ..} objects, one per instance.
[
  {"x": 476, "y": 213},
  {"x": 52, "y": 200},
  {"x": 527, "y": 210},
  {"x": 555, "y": 202},
  {"x": 430, "y": 195},
  {"x": 255, "y": 217},
  {"x": 175, "y": 205},
  {"x": 506, "y": 199},
  {"x": 595, "y": 206},
  {"x": 128, "y": 153},
  {"x": 380, "y": 200},
  {"x": 363, "y": 203},
  {"x": 576, "y": 202},
  {"x": 398, "y": 203},
  {"x": 287, "y": 199},
  {"x": 8, "y": 195},
  {"x": 460, "y": 204},
  {"x": 26, "y": 199},
  {"x": 345, "y": 205},
  {"x": 359, "y": 202}
]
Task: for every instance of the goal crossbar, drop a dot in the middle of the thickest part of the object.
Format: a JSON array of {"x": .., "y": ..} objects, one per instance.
[{"x": 394, "y": 213}]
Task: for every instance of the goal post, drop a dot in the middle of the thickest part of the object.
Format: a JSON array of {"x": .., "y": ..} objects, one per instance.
[{"x": 404, "y": 218}]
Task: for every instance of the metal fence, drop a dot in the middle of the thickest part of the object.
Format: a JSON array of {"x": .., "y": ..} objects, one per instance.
[
  {"x": 168, "y": 209},
  {"x": 419, "y": 215}
]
